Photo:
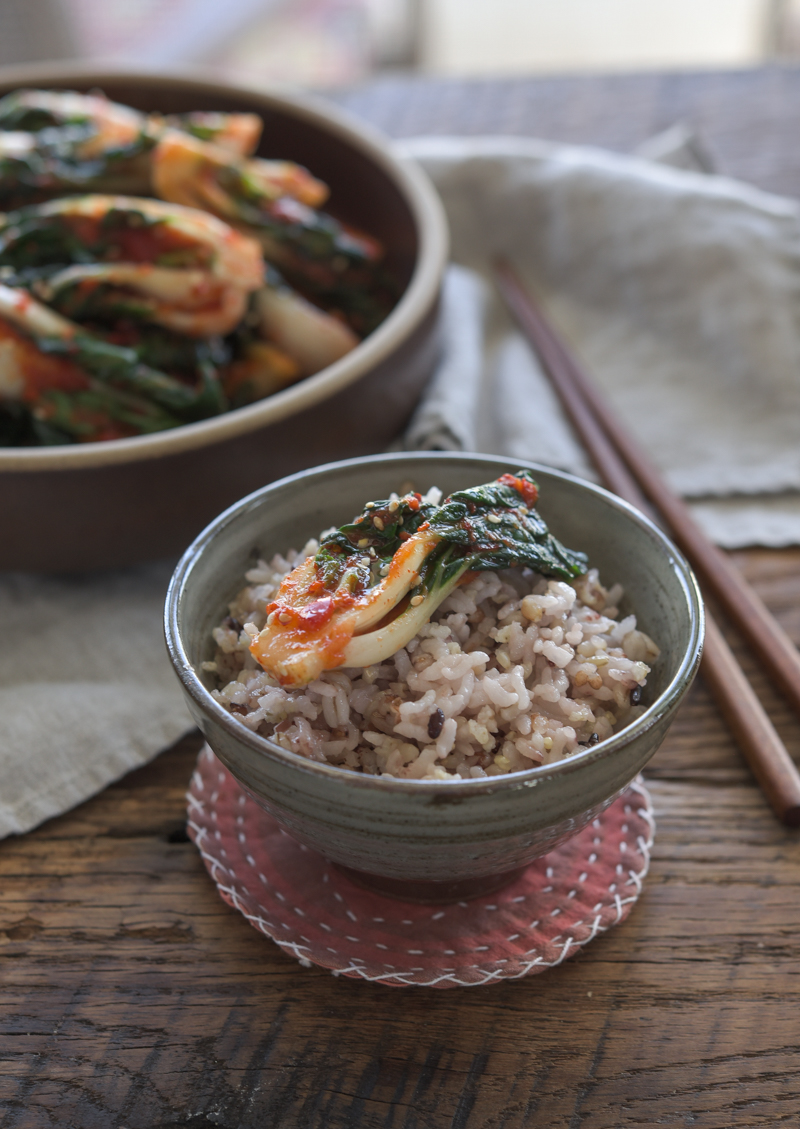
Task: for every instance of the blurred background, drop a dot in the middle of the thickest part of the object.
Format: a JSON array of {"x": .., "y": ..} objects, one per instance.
[{"x": 335, "y": 43}]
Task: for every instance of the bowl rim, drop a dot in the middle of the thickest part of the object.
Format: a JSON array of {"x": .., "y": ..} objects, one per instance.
[
  {"x": 414, "y": 305},
  {"x": 513, "y": 781}
]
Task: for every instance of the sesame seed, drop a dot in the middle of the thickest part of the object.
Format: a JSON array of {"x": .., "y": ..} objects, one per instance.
[
  {"x": 494, "y": 519},
  {"x": 416, "y": 601},
  {"x": 376, "y": 521},
  {"x": 284, "y": 617}
]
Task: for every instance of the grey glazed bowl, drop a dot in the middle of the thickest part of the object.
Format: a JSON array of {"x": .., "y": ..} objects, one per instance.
[{"x": 426, "y": 839}]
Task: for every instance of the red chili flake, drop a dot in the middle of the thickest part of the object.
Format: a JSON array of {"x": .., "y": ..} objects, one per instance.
[
  {"x": 528, "y": 490},
  {"x": 313, "y": 615}
]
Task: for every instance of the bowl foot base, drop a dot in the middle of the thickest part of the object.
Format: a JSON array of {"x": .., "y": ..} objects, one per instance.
[{"x": 420, "y": 890}]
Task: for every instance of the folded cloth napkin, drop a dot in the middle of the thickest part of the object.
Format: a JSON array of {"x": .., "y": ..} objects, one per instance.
[
  {"x": 86, "y": 690},
  {"x": 678, "y": 289}
]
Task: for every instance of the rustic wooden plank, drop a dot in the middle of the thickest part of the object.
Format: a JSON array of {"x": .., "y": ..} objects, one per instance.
[
  {"x": 745, "y": 118},
  {"x": 132, "y": 996}
]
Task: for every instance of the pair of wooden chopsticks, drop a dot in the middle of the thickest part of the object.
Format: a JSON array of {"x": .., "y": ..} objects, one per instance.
[{"x": 628, "y": 472}]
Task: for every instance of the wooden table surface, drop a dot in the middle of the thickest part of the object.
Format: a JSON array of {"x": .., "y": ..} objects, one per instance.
[{"x": 132, "y": 997}]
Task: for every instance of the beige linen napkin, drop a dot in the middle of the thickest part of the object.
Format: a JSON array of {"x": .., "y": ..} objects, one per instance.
[
  {"x": 680, "y": 291},
  {"x": 86, "y": 690}
]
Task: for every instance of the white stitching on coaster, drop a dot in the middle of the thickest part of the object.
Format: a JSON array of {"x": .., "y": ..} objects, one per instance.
[{"x": 605, "y": 914}]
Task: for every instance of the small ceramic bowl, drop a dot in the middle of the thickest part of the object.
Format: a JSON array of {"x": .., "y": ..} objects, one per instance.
[
  {"x": 433, "y": 840},
  {"x": 101, "y": 505}
]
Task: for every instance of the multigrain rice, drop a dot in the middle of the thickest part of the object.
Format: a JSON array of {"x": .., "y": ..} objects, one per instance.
[{"x": 513, "y": 671}]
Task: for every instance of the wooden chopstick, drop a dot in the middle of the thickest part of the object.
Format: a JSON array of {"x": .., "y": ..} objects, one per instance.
[
  {"x": 766, "y": 636},
  {"x": 625, "y": 469}
]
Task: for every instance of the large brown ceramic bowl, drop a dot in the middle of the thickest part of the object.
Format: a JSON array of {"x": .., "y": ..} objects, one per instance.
[{"x": 105, "y": 504}]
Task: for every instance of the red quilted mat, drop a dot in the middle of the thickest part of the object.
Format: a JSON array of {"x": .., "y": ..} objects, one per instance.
[{"x": 294, "y": 895}]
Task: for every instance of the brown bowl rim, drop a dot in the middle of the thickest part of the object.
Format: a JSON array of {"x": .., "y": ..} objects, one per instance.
[{"x": 414, "y": 305}]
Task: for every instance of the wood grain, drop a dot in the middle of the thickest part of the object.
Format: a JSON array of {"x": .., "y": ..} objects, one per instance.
[
  {"x": 132, "y": 997},
  {"x": 746, "y": 119}
]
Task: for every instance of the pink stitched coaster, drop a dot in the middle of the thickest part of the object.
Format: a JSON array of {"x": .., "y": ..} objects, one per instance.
[{"x": 313, "y": 912}]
